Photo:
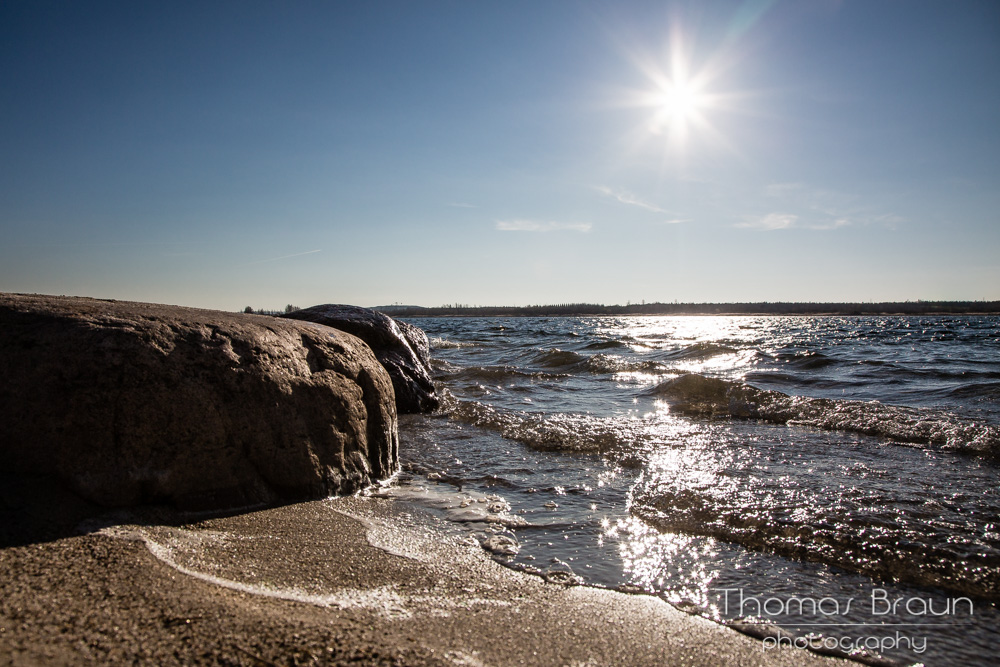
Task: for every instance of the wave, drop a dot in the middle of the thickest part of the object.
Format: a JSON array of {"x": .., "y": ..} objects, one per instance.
[
  {"x": 596, "y": 364},
  {"x": 557, "y": 333},
  {"x": 445, "y": 344},
  {"x": 894, "y": 544},
  {"x": 780, "y": 377},
  {"x": 606, "y": 345},
  {"x": 555, "y": 432},
  {"x": 699, "y": 351},
  {"x": 606, "y": 363},
  {"x": 501, "y": 373},
  {"x": 700, "y": 396},
  {"x": 573, "y": 362},
  {"x": 556, "y": 358},
  {"x": 981, "y": 390},
  {"x": 806, "y": 361},
  {"x": 939, "y": 372}
]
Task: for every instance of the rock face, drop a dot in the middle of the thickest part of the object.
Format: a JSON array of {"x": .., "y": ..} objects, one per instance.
[
  {"x": 402, "y": 348},
  {"x": 133, "y": 403}
]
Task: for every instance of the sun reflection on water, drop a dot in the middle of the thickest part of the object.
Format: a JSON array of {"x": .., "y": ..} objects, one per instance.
[
  {"x": 681, "y": 568},
  {"x": 732, "y": 364},
  {"x": 680, "y": 330}
]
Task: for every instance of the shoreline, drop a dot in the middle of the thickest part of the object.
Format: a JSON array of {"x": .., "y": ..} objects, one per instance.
[
  {"x": 773, "y": 309},
  {"x": 355, "y": 579}
]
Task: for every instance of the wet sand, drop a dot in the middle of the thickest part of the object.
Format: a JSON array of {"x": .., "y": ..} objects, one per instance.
[{"x": 351, "y": 580}]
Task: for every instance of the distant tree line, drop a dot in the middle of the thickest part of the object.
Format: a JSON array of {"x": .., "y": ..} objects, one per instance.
[
  {"x": 260, "y": 311},
  {"x": 759, "y": 308}
]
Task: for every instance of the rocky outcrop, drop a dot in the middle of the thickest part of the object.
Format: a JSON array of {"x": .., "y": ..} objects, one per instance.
[
  {"x": 132, "y": 403},
  {"x": 402, "y": 348}
]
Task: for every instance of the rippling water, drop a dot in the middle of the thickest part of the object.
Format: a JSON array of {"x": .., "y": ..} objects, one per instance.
[{"x": 835, "y": 477}]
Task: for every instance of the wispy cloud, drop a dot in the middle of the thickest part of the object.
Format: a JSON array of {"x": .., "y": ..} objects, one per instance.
[
  {"x": 775, "y": 221},
  {"x": 834, "y": 219},
  {"x": 626, "y": 197},
  {"x": 275, "y": 259},
  {"x": 770, "y": 222},
  {"x": 816, "y": 209},
  {"x": 834, "y": 223},
  {"x": 521, "y": 225},
  {"x": 676, "y": 221}
]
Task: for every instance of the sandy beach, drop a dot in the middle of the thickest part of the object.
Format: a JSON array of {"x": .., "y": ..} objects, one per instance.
[{"x": 348, "y": 580}]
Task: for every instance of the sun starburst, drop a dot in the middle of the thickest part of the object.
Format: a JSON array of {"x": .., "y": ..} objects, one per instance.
[{"x": 679, "y": 96}]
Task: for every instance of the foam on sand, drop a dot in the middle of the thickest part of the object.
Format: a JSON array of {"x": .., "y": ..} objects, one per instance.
[{"x": 376, "y": 563}]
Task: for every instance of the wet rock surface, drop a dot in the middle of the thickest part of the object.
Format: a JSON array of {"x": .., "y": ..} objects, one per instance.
[
  {"x": 401, "y": 347},
  {"x": 132, "y": 403}
]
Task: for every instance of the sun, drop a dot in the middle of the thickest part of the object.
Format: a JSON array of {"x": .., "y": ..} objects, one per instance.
[
  {"x": 678, "y": 96},
  {"x": 681, "y": 98},
  {"x": 681, "y": 102},
  {"x": 678, "y": 106}
]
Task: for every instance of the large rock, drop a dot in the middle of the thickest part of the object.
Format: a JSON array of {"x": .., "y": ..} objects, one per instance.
[
  {"x": 133, "y": 403},
  {"x": 402, "y": 348}
]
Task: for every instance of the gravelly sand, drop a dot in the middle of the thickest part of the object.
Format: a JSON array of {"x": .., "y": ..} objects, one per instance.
[{"x": 345, "y": 581}]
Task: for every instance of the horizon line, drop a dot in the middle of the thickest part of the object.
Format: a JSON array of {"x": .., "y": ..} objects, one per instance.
[{"x": 919, "y": 307}]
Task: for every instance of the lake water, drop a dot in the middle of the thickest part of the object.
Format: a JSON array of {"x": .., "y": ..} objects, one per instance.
[{"x": 834, "y": 478}]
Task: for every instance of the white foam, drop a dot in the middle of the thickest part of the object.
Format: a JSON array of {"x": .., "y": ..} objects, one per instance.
[
  {"x": 445, "y": 344},
  {"x": 384, "y": 600}
]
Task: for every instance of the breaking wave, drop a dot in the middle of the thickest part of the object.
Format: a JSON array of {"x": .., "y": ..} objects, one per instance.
[
  {"x": 445, "y": 344},
  {"x": 696, "y": 395},
  {"x": 892, "y": 538},
  {"x": 555, "y": 432}
]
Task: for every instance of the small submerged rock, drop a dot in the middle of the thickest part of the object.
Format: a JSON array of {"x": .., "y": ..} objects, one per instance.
[
  {"x": 561, "y": 573},
  {"x": 497, "y": 505},
  {"x": 506, "y": 520},
  {"x": 501, "y": 545}
]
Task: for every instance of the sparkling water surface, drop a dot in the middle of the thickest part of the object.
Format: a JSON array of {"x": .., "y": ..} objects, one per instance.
[{"x": 806, "y": 473}]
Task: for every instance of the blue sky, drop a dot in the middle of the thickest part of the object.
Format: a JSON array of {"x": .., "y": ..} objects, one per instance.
[{"x": 233, "y": 153}]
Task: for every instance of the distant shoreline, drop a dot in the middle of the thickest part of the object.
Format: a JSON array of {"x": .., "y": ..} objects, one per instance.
[{"x": 763, "y": 308}]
